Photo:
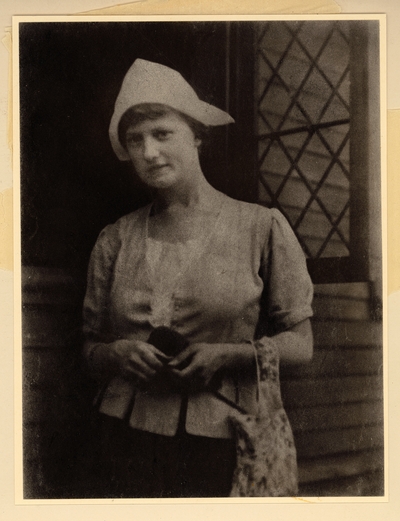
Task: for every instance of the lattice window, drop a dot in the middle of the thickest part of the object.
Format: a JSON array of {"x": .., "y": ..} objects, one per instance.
[{"x": 303, "y": 124}]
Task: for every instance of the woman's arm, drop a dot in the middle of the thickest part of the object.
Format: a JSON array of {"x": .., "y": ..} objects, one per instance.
[
  {"x": 198, "y": 363},
  {"x": 131, "y": 359},
  {"x": 295, "y": 345}
]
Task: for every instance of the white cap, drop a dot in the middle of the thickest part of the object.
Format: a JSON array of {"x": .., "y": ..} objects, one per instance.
[{"x": 148, "y": 82}]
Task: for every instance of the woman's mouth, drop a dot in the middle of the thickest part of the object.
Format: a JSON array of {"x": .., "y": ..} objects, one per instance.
[{"x": 157, "y": 168}]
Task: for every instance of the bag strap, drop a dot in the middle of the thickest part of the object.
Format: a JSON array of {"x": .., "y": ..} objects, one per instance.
[
  {"x": 100, "y": 395},
  {"x": 230, "y": 402}
]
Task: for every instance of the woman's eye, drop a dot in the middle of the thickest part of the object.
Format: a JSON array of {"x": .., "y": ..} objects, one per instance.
[
  {"x": 133, "y": 140},
  {"x": 162, "y": 135}
]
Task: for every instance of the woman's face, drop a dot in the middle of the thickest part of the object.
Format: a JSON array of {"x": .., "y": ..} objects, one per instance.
[{"x": 164, "y": 151}]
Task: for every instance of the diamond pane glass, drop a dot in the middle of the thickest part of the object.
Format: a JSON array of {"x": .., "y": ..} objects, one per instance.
[{"x": 302, "y": 87}]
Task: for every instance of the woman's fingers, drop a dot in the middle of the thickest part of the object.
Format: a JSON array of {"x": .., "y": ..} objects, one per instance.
[
  {"x": 140, "y": 369},
  {"x": 196, "y": 366},
  {"x": 193, "y": 366},
  {"x": 153, "y": 356},
  {"x": 140, "y": 359},
  {"x": 192, "y": 378},
  {"x": 183, "y": 358}
]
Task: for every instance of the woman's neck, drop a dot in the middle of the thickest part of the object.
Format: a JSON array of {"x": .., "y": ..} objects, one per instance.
[
  {"x": 186, "y": 215},
  {"x": 187, "y": 197}
]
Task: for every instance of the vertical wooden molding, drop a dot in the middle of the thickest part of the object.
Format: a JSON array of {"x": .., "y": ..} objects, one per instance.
[
  {"x": 243, "y": 146},
  {"x": 365, "y": 225}
]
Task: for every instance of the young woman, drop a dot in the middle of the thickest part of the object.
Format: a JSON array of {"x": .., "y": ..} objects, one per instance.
[{"x": 218, "y": 273}]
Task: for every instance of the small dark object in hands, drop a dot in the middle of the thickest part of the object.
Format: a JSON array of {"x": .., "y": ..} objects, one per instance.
[{"x": 170, "y": 342}]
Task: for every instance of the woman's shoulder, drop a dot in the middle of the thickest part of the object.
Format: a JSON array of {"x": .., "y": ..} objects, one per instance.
[
  {"x": 126, "y": 221},
  {"x": 254, "y": 214},
  {"x": 237, "y": 205},
  {"x": 268, "y": 225},
  {"x": 133, "y": 218},
  {"x": 261, "y": 212},
  {"x": 125, "y": 227}
]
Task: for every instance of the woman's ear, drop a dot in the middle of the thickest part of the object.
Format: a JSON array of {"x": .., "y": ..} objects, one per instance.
[{"x": 197, "y": 142}]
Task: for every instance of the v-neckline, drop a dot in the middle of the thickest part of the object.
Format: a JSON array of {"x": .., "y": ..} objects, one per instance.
[
  {"x": 196, "y": 239},
  {"x": 164, "y": 293}
]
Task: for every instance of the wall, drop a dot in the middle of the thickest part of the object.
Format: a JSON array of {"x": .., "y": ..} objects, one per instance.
[{"x": 334, "y": 403}]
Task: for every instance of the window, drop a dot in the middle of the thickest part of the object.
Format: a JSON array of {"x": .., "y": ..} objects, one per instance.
[{"x": 316, "y": 107}]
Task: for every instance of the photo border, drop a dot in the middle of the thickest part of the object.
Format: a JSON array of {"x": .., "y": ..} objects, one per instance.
[{"x": 17, "y": 255}]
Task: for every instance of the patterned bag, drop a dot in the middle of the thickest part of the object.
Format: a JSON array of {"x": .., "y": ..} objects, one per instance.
[{"x": 266, "y": 455}]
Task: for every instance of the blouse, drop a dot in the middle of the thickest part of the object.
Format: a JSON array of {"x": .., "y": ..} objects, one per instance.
[{"x": 247, "y": 278}]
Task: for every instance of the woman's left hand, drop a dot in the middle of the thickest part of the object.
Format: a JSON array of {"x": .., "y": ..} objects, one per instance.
[{"x": 196, "y": 365}]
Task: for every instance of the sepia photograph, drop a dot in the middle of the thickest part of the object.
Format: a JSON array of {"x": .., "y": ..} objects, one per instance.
[{"x": 201, "y": 258}]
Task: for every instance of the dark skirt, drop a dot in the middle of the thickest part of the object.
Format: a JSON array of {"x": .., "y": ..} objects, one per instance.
[{"x": 127, "y": 463}]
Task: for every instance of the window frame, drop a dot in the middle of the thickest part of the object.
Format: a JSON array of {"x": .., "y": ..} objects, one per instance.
[{"x": 365, "y": 229}]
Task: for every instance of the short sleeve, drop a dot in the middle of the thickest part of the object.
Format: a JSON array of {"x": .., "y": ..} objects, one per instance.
[
  {"x": 100, "y": 274},
  {"x": 288, "y": 288}
]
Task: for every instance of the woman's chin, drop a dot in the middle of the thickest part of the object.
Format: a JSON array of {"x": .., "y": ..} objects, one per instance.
[{"x": 161, "y": 181}]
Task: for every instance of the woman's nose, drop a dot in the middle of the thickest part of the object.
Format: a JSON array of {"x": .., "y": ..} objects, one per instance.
[{"x": 150, "y": 149}]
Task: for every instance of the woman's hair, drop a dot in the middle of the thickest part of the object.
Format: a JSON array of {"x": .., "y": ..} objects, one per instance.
[{"x": 138, "y": 113}]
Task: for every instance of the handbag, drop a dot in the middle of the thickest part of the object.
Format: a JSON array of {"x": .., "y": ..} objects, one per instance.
[{"x": 266, "y": 464}]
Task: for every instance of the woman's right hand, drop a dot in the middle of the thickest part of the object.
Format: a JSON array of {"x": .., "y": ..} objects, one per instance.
[
  {"x": 132, "y": 359},
  {"x": 137, "y": 359}
]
